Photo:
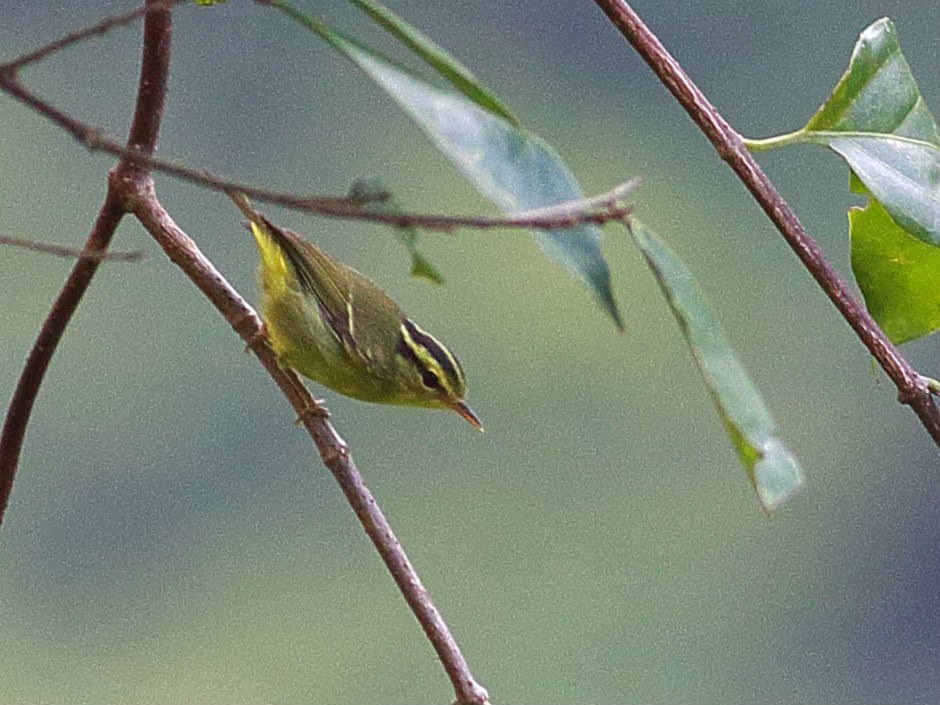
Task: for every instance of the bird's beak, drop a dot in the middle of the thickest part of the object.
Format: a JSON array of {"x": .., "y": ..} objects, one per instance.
[{"x": 467, "y": 413}]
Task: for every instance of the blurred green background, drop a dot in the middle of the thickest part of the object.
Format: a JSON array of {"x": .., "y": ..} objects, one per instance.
[{"x": 172, "y": 536}]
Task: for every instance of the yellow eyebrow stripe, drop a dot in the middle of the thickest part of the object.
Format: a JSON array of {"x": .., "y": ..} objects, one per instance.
[{"x": 434, "y": 358}]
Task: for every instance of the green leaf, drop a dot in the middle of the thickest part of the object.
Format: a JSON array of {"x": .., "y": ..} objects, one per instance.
[
  {"x": 876, "y": 119},
  {"x": 903, "y": 176},
  {"x": 897, "y": 273},
  {"x": 877, "y": 93},
  {"x": 420, "y": 265},
  {"x": 507, "y": 164},
  {"x": 448, "y": 66},
  {"x": 771, "y": 468}
]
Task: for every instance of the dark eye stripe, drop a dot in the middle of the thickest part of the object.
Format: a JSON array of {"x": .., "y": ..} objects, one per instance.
[
  {"x": 448, "y": 362},
  {"x": 428, "y": 378}
]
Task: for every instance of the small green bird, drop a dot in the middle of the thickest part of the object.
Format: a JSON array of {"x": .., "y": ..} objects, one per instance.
[{"x": 334, "y": 325}]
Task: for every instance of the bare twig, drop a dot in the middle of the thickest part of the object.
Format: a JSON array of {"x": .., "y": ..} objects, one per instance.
[
  {"x": 131, "y": 189},
  {"x": 102, "y": 27},
  {"x": 149, "y": 109},
  {"x": 912, "y": 388},
  {"x": 554, "y": 217},
  {"x": 334, "y": 452},
  {"x": 597, "y": 210},
  {"x": 71, "y": 252}
]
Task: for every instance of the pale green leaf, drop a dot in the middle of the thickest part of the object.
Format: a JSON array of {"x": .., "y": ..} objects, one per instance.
[
  {"x": 459, "y": 76},
  {"x": 509, "y": 165},
  {"x": 773, "y": 471}
]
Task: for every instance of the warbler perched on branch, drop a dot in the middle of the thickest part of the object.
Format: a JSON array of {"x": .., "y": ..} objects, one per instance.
[{"x": 334, "y": 325}]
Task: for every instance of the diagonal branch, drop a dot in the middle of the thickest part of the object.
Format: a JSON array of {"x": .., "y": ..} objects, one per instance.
[
  {"x": 130, "y": 189},
  {"x": 912, "y": 387},
  {"x": 80, "y": 35},
  {"x": 334, "y": 452},
  {"x": 597, "y": 210},
  {"x": 53, "y": 328}
]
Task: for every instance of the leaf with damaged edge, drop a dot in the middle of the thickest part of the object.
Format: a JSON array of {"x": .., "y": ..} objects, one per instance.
[{"x": 897, "y": 273}]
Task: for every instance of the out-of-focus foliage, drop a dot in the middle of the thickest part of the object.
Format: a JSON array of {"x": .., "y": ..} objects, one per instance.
[{"x": 173, "y": 537}]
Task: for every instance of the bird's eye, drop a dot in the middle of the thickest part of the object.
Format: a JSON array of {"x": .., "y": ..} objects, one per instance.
[{"x": 430, "y": 380}]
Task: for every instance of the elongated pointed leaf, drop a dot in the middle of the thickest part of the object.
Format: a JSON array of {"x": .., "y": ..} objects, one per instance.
[
  {"x": 877, "y": 93},
  {"x": 771, "y": 468},
  {"x": 459, "y": 76},
  {"x": 507, "y": 164}
]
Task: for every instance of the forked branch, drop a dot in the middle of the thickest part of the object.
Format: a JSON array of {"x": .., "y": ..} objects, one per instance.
[
  {"x": 130, "y": 189},
  {"x": 560, "y": 216}
]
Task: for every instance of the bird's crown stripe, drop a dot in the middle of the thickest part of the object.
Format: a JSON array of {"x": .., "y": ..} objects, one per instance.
[{"x": 430, "y": 351}]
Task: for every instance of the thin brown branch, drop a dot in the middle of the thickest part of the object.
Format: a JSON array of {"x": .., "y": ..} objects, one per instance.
[
  {"x": 152, "y": 86},
  {"x": 71, "y": 252},
  {"x": 912, "y": 388},
  {"x": 150, "y": 99},
  {"x": 131, "y": 189},
  {"x": 597, "y": 209},
  {"x": 27, "y": 388},
  {"x": 99, "y": 28},
  {"x": 334, "y": 452}
]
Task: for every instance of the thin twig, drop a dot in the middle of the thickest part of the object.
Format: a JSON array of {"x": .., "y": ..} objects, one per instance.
[
  {"x": 151, "y": 96},
  {"x": 609, "y": 202},
  {"x": 182, "y": 250},
  {"x": 131, "y": 189},
  {"x": 559, "y": 216},
  {"x": 71, "y": 252},
  {"x": 102, "y": 27},
  {"x": 53, "y": 328},
  {"x": 912, "y": 388}
]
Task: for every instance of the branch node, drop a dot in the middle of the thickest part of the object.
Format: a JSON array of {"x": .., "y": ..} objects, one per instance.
[
  {"x": 478, "y": 695},
  {"x": 911, "y": 394},
  {"x": 92, "y": 138},
  {"x": 251, "y": 329},
  {"x": 316, "y": 410}
]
